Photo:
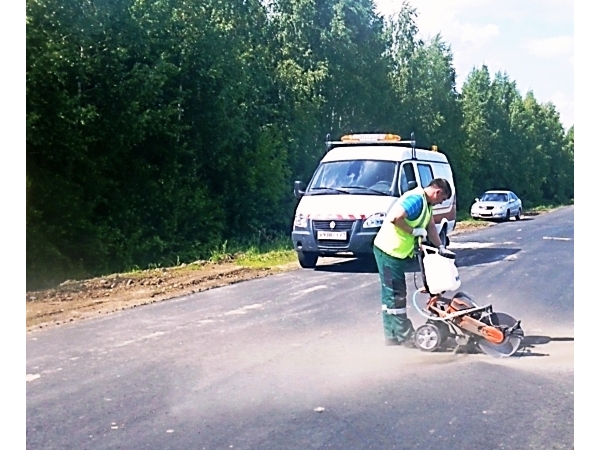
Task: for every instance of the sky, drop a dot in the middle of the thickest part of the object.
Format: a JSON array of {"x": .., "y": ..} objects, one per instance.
[{"x": 532, "y": 41}]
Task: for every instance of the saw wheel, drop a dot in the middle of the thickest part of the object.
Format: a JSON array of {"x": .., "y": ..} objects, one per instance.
[{"x": 509, "y": 345}]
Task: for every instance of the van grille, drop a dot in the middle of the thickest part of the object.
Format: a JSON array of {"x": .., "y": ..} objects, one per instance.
[{"x": 340, "y": 225}]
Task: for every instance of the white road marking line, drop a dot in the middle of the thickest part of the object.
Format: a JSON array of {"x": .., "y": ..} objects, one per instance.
[
  {"x": 148, "y": 336},
  {"x": 552, "y": 238},
  {"x": 243, "y": 310},
  {"x": 470, "y": 245},
  {"x": 31, "y": 377},
  {"x": 312, "y": 289},
  {"x": 476, "y": 245}
]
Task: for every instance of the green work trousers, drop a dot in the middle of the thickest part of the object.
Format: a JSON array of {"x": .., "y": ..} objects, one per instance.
[{"x": 396, "y": 325}]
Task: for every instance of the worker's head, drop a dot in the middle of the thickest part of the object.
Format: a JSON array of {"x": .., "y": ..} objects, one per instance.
[{"x": 438, "y": 191}]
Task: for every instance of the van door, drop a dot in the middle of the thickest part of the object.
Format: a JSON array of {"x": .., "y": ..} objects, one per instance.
[
  {"x": 425, "y": 174},
  {"x": 445, "y": 212},
  {"x": 407, "y": 176}
]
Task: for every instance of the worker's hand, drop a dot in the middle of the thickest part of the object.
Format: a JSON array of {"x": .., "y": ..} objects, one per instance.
[
  {"x": 419, "y": 232},
  {"x": 442, "y": 250}
]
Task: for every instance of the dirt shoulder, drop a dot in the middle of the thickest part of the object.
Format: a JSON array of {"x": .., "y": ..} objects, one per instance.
[{"x": 77, "y": 300}]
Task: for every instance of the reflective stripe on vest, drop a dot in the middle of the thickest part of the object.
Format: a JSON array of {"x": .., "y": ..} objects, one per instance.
[{"x": 394, "y": 241}]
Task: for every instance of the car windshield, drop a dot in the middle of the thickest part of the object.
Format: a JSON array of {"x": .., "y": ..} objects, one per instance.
[
  {"x": 354, "y": 177},
  {"x": 494, "y": 197}
]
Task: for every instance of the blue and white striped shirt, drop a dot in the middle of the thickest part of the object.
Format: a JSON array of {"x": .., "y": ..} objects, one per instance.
[{"x": 413, "y": 205}]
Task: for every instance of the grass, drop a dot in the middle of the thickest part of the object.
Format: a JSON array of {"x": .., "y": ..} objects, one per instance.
[
  {"x": 258, "y": 254},
  {"x": 541, "y": 209},
  {"x": 272, "y": 258},
  {"x": 255, "y": 253},
  {"x": 464, "y": 216}
]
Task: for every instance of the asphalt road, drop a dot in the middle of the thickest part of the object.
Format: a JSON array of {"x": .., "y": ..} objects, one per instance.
[{"x": 297, "y": 361}]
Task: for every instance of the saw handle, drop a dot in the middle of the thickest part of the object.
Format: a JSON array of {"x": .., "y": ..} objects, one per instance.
[{"x": 442, "y": 251}]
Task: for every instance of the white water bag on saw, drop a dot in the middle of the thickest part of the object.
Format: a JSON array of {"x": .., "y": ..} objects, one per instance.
[{"x": 440, "y": 272}]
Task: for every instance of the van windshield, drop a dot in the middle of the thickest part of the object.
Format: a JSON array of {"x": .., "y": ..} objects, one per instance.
[{"x": 354, "y": 177}]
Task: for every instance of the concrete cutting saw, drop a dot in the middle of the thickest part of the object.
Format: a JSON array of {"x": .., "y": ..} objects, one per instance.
[{"x": 459, "y": 317}]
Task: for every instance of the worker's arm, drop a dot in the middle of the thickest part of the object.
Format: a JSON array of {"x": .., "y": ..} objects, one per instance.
[
  {"x": 398, "y": 218},
  {"x": 398, "y": 215}
]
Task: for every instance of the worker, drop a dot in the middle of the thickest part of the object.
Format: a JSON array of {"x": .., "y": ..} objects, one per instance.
[{"x": 409, "y": 218}]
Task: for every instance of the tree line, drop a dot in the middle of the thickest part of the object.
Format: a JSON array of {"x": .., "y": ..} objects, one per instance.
[{"x": 159, "y": 129}]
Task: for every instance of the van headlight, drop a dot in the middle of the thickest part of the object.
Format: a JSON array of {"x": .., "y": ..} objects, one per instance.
[
  {"x": 374, "y": 220},
  {"x": 300, "y": 221}
]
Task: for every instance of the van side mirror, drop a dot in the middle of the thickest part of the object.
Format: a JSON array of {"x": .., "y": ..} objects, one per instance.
[
  {"x": 476, "y": 199},
  {"x": 411, "y": 185},
  {"x": 298, "y": 189}
]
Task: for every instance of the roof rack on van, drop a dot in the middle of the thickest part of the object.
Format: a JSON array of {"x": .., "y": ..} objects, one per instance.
[
  {"x": 371, "y": 137},
  {"x": 367, "y": 139},
  {"x": 374, "y": 139},
  {"x": 413, "y": 144}
]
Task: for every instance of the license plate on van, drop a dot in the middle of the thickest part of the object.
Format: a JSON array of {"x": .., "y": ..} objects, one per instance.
[{"x": 331, "y": 235}]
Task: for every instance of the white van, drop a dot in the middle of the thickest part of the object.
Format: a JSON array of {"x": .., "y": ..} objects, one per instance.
[{"x": 353, "y": 188}]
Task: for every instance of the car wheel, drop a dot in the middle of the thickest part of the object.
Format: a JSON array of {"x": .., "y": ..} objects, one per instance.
[
  {"x": 507, "y": 217},
  {"x": 518, "y": 216},
  {"x": 308, "y": 260}
]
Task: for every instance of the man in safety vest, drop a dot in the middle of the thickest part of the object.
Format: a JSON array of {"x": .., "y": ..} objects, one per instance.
[{"x": 409, "y": 218}]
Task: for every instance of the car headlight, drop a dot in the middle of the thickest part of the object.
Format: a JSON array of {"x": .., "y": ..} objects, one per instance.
[
  {"x": 300, "y": 221},
  {"x": 374, "y": 220}
]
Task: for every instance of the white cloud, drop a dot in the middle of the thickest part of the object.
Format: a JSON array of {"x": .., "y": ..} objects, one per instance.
[
  {"x": 478, "y": 34},
  {"x": 550, "y": 47},
  {"x": 531, "y": 41},
  {"x": 565, "y": 105}
]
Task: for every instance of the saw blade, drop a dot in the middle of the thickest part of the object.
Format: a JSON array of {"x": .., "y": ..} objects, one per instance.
[{"x": 506, "y": 348}]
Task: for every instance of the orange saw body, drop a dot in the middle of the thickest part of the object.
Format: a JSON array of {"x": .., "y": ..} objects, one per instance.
[{"x": 459, "y": 317}]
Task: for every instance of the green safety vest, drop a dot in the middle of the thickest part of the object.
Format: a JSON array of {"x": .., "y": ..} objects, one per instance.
[{"x": 394, "y": 241}]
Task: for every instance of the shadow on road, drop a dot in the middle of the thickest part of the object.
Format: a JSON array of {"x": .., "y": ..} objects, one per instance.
[
  {"x": 498, "y": 221},
  {"x": 526, "y": 349},
  {"x": 476, "y": 256},
  {"x": 353, "y": 265},
  {"x": 529, "y": 344},
  {"x": 465, "y": 257}
]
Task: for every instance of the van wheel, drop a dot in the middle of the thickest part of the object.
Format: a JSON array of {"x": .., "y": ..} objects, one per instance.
[
  {"x": 308, "y": 260},
  {"x": 518, "y": 216}
]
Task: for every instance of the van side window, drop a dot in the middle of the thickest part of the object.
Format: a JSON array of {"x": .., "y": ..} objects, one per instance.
[
  {"x": 407, "y": 174},
  {"x": 425, "y": 174}
]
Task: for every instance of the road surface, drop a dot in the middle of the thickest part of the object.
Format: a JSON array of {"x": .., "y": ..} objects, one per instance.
[{"x": 297, "y": 361}]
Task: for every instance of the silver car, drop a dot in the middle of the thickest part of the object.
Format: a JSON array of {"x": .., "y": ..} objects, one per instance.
[{"x": 498, "y": 205}]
